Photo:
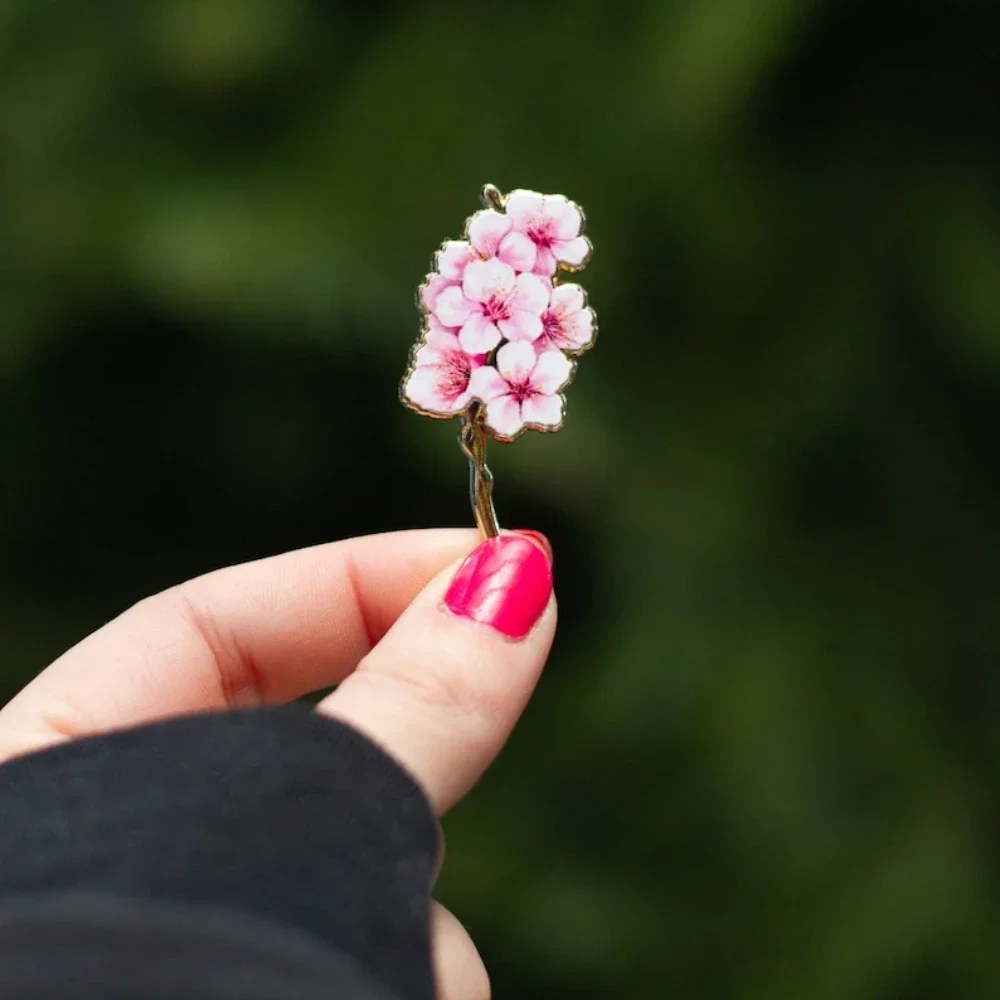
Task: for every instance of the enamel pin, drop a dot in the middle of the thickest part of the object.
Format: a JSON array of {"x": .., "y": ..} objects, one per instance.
[{"x": 501, "y": 330}]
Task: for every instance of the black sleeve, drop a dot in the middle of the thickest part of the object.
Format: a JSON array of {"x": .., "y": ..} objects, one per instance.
[{"x": 260, "y": 854}]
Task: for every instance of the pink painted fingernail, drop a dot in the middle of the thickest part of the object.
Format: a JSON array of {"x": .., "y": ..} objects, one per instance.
[{"x": 505, "y": 583}]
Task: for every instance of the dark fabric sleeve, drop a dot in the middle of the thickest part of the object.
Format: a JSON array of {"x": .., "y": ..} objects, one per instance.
[{"x": 272, "y": 841}]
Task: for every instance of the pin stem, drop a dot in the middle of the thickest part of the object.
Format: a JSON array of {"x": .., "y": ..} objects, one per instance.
[{"x": 472, "y": 440}]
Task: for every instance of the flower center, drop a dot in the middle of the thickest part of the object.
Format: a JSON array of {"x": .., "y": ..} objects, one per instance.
[
  {"x": 552, "y": 327},
  {"x": 522, "y": 390},
  {"x": 496, "y": 308},
  {"x": 455, "y": 374},
  {"x": 540, "y": 233}
]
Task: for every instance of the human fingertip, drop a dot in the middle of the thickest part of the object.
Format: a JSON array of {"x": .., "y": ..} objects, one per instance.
[
  {"x": 539, "y": 539},
  {"x": 505, "y": 582}
]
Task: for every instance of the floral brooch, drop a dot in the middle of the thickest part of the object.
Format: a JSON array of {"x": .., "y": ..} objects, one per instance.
[{"x": 501, "y": 330}]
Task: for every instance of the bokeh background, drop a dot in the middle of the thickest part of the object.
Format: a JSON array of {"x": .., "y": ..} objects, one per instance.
[{"x": 765, "y": 760}]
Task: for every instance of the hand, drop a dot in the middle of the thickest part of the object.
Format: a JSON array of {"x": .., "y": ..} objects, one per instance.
[{"x": 438, "y": 691}]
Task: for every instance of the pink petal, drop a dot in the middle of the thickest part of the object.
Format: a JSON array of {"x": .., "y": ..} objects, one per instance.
[
  {"x": 429, "y": 355},
  {"x": 521, "y": 326},
  {"x": 523, "y": 207},
  {"x": 516, "y": 360},
  {"x": 432, "y": 288},
  {"x": 487, "y": 384},
  {"x": 452, "y": 307},
  {"x": 544, "y": 410},
  {"x": 486, "y": 229},
  {"x": 453, "y": 257},
  {"x": 580, "y": 328},
  {"x": 423, "y": 389},
  {"x": 545, "y": 262},
  {"x": 531, "y": 294},
  {"x": 504, "y": 416},
  {"x": 518, "y": 251},
  {"x": 479, "y": 335},
  {"x": 486, "y": 278},
  {"x": 565, "y": 216},
  {"x": 552, "y": 371},
  {"x": 572, "y": 252},
  {"x": 440, "y": 335},
  {"x": 568, "y": 298}
]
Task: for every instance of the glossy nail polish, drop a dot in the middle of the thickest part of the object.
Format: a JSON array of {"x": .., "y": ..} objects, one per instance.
[
  {"x": 505, "y": 583},
  {"x": 539, "y": 539}
]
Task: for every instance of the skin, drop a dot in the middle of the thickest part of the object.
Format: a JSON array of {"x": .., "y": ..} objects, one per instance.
[{"x": 437, "y": 692}]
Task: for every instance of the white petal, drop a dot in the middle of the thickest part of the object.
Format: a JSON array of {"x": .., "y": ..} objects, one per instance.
[
  {"x": 523, "y": 207},
  {"x": 428, "y": 355},
  {"x": 486, "y": 278},
  {"x": 453, "y": 308},
  {"x": 531, "y": 293},
  {"x": 487, "y": 384},
  {"x": 565, "y": 216},
  {"x": 440, "y": 335},
  {"x": 432, "y": 287},
  {"x": 518, "y": 251},
  {"x": 568, "y": 297},
  {"x": 486, "y": 229},
  {"x": 580, "y": 329},
  {"x": 521, "y": 326},
  {"x": 423, "y": 390},
  {"x": 544, "y": 410},
  {"x": 453, "y": 257},
  {"x": 504, "y": 416},
  {"x": 516, "y": 360},
  {"x": 572, "y": 252},
  {"x": 478, "y": 335},
  {"x": 545, "y": 263},
  {"x": 552, "y": 371}
]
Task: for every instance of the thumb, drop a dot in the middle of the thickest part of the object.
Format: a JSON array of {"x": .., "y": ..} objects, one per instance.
[{"x": 445, "y": 686}]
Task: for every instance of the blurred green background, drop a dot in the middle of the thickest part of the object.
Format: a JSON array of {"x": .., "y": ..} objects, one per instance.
[{"x": 765, "y": 760}]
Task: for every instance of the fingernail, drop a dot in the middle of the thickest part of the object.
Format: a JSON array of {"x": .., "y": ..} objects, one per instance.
[
  {"x": 538, "y": 538},
  {"x": 505, "y": 583}
]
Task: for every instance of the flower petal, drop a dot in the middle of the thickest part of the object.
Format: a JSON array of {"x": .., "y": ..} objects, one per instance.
[
  {"x": 545, "y": 262},
  {"x": 544, "y": 410},
  {"x": 567, "y": 298},
  {"x": 479, "y": 334},
  {"x": 552, "y": 371},
  {"x": 572, "y": 252},
  {"x": 453, "y": 257},
  {"x": 579, "y": 329},
  {"x": 518, "y": 251},
  {"x": 531, "y": 294},
  {"x": 423, "y": 389},
  {"x": 485, "y": 278},
  {"x": 486, "y": 229},
  {"x": 440, "y": 335},
  {"x": 565, "y": 216},
  {"x": 429, "y": 355},
  {"x": 522, "y": 325},
  {"x": 516, "y": 360},
  {"x": 503, "y": 415},
  {"x": 487, "y": 384},
  {"x": 432, "y": 287},
  {"x": 453, "y": 308},
  {"x": 523, "y": 207}
]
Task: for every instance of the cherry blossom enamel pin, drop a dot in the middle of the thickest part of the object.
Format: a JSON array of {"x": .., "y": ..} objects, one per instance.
[{"x": 501, "y": 329}]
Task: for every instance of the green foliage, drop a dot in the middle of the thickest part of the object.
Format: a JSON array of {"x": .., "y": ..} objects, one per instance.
[{"x": 764, "y": 761}]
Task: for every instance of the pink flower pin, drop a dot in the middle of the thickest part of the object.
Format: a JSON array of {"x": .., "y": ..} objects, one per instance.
[
  {"x": 438, "y": 382},
  {"x": 553, "y": 224},
  {"x": 494, "y": 303},
  {"x": 568, "y": 322},
  {"x": 522, "y": 390}
]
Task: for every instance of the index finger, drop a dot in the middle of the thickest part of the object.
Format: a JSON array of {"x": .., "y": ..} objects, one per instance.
[{"x": 266, "y": 631}]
